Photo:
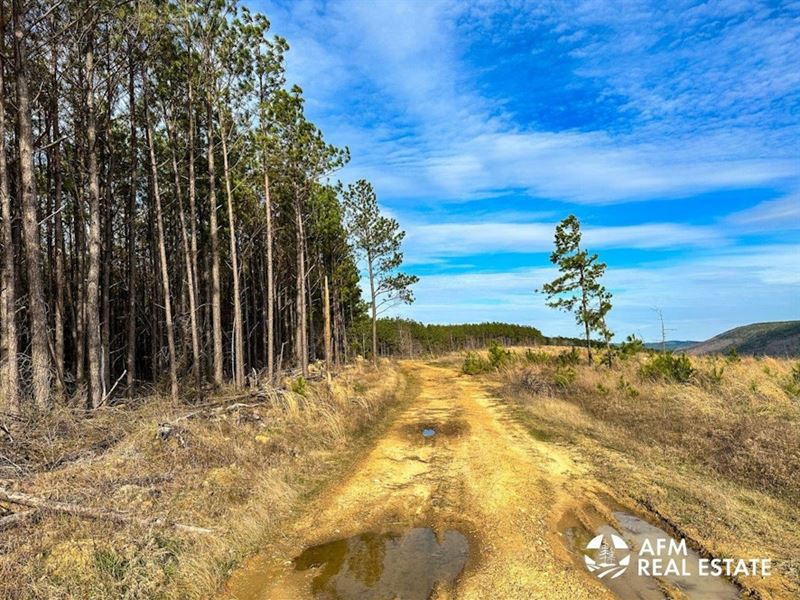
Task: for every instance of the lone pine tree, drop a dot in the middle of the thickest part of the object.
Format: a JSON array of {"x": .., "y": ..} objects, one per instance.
[
  {"x": 578, "y": 289},
  {"x": 377, "y": 239}
]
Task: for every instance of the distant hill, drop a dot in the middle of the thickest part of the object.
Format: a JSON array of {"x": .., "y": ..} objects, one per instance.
[
  {"x": 672, "y": 345},
  {"x": 780, "y": 338}
]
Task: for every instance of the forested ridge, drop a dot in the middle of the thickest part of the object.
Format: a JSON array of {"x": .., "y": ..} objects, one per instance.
[{"x": 169, "y": 215}]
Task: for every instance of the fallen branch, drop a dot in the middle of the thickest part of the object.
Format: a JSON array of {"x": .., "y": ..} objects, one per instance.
[
  {"x": 93, "y": 513},
  {"x": 15, "y": 519}
]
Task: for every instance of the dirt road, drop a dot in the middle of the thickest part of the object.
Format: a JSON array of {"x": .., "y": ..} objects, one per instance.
[{"x": 481, "y": 474}]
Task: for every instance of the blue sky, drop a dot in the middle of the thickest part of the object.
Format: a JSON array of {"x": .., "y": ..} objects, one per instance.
[{"x": 672, "y": 130}]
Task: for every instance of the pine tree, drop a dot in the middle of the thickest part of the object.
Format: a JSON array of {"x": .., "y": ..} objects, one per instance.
[
  {"x": 378, "y": 240},
  {"x": 578, "y": 288}
]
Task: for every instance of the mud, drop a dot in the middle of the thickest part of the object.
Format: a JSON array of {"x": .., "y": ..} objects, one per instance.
[{"x": 408, "y": 565}]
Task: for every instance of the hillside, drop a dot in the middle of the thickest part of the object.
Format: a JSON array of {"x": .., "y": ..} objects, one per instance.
[
  {"x": 781, "y": 338},
  {"x": 672, "y": 345}
]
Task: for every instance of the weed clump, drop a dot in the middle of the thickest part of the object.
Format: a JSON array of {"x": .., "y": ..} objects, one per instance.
[{"x": 668, "y": 367}]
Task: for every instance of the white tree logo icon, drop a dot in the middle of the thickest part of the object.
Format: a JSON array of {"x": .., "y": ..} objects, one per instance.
[{"x": 606, "y": 563}]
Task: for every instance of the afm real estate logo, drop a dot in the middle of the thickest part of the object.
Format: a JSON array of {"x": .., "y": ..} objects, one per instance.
[{"x": 663, "y": 557}]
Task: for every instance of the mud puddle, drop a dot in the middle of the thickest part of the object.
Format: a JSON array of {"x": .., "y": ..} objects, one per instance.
[
  {"x": 602, "y": 550},
  {"x": 408, "y": 565},
  {"x": 428, "y": 432}
]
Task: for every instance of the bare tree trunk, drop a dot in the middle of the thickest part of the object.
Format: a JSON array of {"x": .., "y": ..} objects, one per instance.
[
  {"x": 193, "y": 208},
  {"x": 301, "y": 351},
  {"x": 187, "y": 255},
  {"x": 238, "y": 337},
  {"x": 93, "y": 279},
  {"x": 374, "y": 300},
  {"x": 58, "y": 250},
  {"x": 40, "y": 353},
  {"x": 162, "y": 251},
  {"x": 270, "y": 341},
  {"x": 326, "y": 308},
  {"x": 131, "y": 218},
  {"x": 108, "y": 258},
  {"x": 585, "y": 313},
  {"x": 9, "y": 375},
  {"x": 216, "y": 311}
]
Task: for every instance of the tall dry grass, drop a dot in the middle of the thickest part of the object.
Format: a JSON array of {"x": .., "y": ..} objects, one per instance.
[
  {"x": 719, "y": 452},
  {"x": 240, "y": 471}
]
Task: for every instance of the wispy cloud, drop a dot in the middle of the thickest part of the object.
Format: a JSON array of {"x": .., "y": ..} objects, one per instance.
[
  {"x": 433, "y": 241},
  {"x": 698, "y": 85},
  {"x": 700, "y": 297},
  {"x": 773, "y": 215}
]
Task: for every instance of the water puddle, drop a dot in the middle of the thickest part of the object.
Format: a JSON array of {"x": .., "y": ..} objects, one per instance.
[
  {"x": 428, "y": 432},
  {"x": 385, "y": 565},
  {"x": 606, "y": 557}
]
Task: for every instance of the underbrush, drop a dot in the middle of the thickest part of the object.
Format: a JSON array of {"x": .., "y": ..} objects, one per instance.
[{"x": 237, "y": 465}]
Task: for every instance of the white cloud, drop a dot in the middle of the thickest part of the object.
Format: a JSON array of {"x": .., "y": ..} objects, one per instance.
[
  {"x": 428, "y": 242},
  {"x": 698, "y": 101},
  {"x": 772, "y": 215}
]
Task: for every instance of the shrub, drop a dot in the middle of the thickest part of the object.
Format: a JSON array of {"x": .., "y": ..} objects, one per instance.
[
  {"x": 564, "y": 377},
  {"x": 300, "y": 386},
  {"x": 733, "y": 355},
  {"x": 715, "y": 374},
  {"x": 537, "y": 358},
  {"x": 474, "y": 364},
  {"x": 626, "y": 388},
  {"x": 632, "y": 345},
  {"x": 498, "y": 356},
  {"x": 668, "y": 367},
  {"x": 568, "y": 359},
  {"x": 792, "y": 385}
]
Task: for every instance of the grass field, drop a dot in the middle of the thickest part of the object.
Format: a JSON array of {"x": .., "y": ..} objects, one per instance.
[{"x": 715, "y": 449}]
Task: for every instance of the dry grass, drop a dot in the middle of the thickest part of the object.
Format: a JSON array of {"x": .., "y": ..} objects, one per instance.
[
  {"x": 719, "y": 454},
  {"x": 240, "y": 471}
]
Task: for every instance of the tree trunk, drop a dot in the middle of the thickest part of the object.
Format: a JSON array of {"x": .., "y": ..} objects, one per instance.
[
  {"x": 374, "y": 301},
  {"x": 193, "y": 204},
  {"x": 238, "y": 337},
  {"x": 93, "y": 279},
  {"x": 58, "y": 244},
  {"x": 585, "y": 314},
  {"x": 270, "y": 341},
  {"x": 187, "y": 256},
  {"x": 131, "y": 226},
  {"x": 9, "y": 375},
  {"x": 162, "y": 251},
  {"x": 326, "y": 307},
  {"x": 301, "y": 353},
  {"x": 216, "y": 310},
  {"x": 40, "y": 353}
]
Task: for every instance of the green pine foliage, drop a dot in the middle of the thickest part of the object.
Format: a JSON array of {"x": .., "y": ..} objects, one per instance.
[{"x": 668, "y": 367}]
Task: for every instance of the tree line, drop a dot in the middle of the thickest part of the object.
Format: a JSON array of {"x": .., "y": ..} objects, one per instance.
[{"x": 168, "y": 212}]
